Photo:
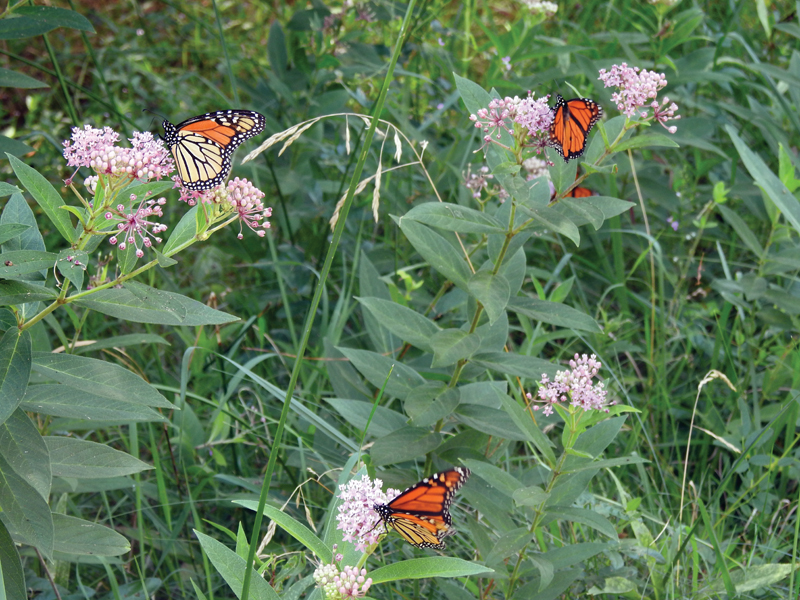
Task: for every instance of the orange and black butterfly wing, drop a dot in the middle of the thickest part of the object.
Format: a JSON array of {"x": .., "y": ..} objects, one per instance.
[
  {"x": 580, "y": 192},
  {"x": 422, "y": 532},
  {"x": 421, "y": 513},
  {"x": 572, "y": 122},
  {"x": 202, "y": 146}
]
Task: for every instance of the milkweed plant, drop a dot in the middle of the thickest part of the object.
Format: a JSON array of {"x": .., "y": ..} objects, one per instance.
[{"x": 110, "y": 231}]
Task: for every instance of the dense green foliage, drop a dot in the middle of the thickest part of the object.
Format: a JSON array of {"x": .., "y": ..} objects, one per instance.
[{"x": 144, "y": 466}]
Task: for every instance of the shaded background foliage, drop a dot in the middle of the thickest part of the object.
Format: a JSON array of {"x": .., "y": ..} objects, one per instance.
[{"x": 726, "y": 291}]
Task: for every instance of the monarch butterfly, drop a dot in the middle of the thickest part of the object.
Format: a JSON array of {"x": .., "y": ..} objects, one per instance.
[
  {"x": 420, "y": 514},
  {"x": 203, "y": 145},
  {"x": 572, "y": 122},
  {"x": 580, "y": 192},
  {"x": 576, "y": 192}
]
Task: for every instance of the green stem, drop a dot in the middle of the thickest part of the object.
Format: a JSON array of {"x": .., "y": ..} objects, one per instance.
[{"x": 312, "y": 311}]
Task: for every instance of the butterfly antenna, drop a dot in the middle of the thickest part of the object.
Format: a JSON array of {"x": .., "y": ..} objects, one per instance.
[{"x": 153, "y": 120}]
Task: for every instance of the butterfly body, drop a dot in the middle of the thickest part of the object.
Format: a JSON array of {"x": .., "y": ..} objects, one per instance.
[
  {"x": 421, "y": 513},
  {"x": 572, "y": 122},
  {"x": 203, "y": 145}
]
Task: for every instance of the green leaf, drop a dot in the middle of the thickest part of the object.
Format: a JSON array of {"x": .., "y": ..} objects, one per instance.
[
  {"x": 231, "y": 566},
  {"x": 376, "y": 367},
  {"x": 25, "y": 451},
  {"x": 13, "y": 147},
  {"x": 421, "y": 568},
  {"x": 101, "y": 377},
  {"x": 530, "y": 496},
  {"x": 440, "y": 254},
  {"x": 23, "y": 27},
  {"x": 515, "y": 364},
  {"x": 76, "y": 403},
  {"x": 453, "y": 217},
  {"x": 15, "y": 79},
  {"x": 473, "y": 95},
  {"x": 25, "y": 512},
  {"x": 294, "y": 528},
  {"x": 11, "y": 575},
  {"x": 72, "y": 265},
  {"x": 767, "y": 181},
  {"x": 82, "y": 459},
  {"x": 45, "y": 195},
  {"x": 763, "y": 16},
  {"x": 11, "y": 230},
  {"x": 143, "y": 304},
  {"x": 76, "y": 536},
  {"x": 754, "y": 577},
  {"x": 126, "y": 257},
  {"x": 488, "y": 420},
  {"x": 57, "y": 17},
  {"x": 492, "y": 291},
  {"x": 6, "y": 189},
  {"x": 529, "y": 429},
  {"x": 371, "y": 286},
  {"x": 404, "y": 444},
  {"x": 148, "y": 190},
  {"x": 405, "y": 323},
  {"x": 451, "y": 345},
  {"x": 608, "y": 463},
  {"x": 493, "y": 335},
  {"x": 17, "y": 212},
  {"x": 19, "y": 292},
  {"x": 580, "y": 212},
  {"x": 554, "y": 221},
  {"x": 510, "y": 542},
  {"x": 356, "y": 412},
  {"x": 563, "y": 174},
  {"x": 646, "y": 140},
  {"x": 15, "y": 369},
  {"x": 610, "y": 207},
  {"x": 572, "y": 554},
  {"x": 23, "y": 262},
  {"x": 121, "y": 341},
  {"x": 500, "y": 480},
  {"x": 614, "y": 585},
  {"x": 742, "y": 230},
  {"x": 425, "y": 414},
  {"x": 184, "y": 231},
  {"x": 276, "y": 50},
  {"x": 584, "y": 516},
  {"x": 554, "y": 313}
]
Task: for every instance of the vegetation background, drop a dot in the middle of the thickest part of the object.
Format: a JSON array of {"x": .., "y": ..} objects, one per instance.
[{"x": 699, "y": 275}]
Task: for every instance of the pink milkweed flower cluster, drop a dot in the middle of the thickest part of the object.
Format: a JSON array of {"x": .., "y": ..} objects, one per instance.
[
  {"x": 239, "y": 196},
  {"x": 574, "y": 386},
  {"x": 338, "y": 585},
  {"x": 477, "y": 182},
  {"x": 533, "y": 115},
  {"x": 245, "y": 199},
  {"x": 97, "y": 149},
  {"x": 136, "y": 227},
  {"x": 357, "y": 517},
  {"x": 639, "y": 88}
]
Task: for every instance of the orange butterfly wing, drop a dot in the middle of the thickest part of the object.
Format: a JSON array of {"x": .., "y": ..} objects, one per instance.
[
  {"x": 580, "y": 192},
  {"x": 421, "y": 513},
  {"x": 572, "y": 122}
]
